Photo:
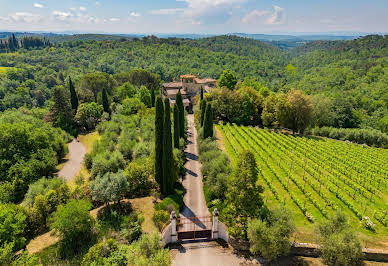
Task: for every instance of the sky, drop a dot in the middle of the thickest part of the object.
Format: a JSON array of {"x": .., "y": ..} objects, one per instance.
[{"x": 195, "y": 16}]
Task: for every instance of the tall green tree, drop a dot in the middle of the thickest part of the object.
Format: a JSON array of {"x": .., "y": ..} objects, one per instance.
[
  {"x": 243, "y": 197},
  {"x": 105, "y": 101},
  {"x": 73, "y": 95},
  {"x": 61, "y": 109},
  {"x": 176, "y": 126},
  {"x": 208, "y": 122},
  {"x": 159, "y": 117},
  {"x": 201, "y": 95},
  {"x": 203, "y": 109},
  {"x": 179, "y": 102},
  {"x": 227, "y": 79},
  {"x": 167, "y": 151},
  {"x": 152, "y": 98}
]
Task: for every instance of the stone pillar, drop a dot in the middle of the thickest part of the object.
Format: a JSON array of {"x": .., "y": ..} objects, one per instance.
[
  {"x": 215, "y": 224},
  {"x": 173, "y": 227}
]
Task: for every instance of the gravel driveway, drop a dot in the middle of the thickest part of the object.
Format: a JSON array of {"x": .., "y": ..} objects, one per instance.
[{"x": 76, "y": 157}]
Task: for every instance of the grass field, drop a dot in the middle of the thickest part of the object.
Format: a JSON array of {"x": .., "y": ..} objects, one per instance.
[{"x": 313, "y": 177}]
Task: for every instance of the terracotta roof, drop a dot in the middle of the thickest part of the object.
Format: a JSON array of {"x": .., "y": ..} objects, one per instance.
[
  {"x": 171, "y": 92},
  {"x": 188, "y": 76},
  {"x": 172, "y": 84},
  {"x": 204, "y": 81}
]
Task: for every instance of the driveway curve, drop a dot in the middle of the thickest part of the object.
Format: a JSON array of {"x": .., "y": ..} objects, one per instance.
[{"x": 76, "y": 157}]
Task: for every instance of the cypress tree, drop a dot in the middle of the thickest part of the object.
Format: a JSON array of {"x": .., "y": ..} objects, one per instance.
[
  {"x": 73, "y": 95},
  {"x": 208, "y": 122},
  {"x": 176, "y": 126},
  {"x": 159, "y": 117},
  {"x": 105, "y": 102},
  {"x": 179, "y": 102},
  {"x": 201, "y": 93},
  {"x": 202, "y": 107},
  {"x": 167, "y": 150},
  {"x": 152, "y": 98}
]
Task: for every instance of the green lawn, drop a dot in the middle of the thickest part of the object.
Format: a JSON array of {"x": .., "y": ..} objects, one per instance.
[{"x": 313, "y": 177}]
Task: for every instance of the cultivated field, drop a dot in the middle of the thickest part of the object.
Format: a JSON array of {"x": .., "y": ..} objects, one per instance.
[{"x": 315, "y": 176}]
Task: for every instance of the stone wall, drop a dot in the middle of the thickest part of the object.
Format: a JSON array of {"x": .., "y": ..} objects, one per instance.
[
  {"x": 222, "y": 233},
  {"x": 166, "y": 235}
]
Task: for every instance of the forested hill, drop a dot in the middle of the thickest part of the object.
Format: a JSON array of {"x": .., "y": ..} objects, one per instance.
[{"x": 353, "y": 74}]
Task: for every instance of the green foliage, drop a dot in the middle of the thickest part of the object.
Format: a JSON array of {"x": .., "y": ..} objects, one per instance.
[
  {"x": 94, "y": 83},
  {"x": 145, "y": 96},
  {"x": 181, "y": 114},
  {"x": 227, "y": 79},
  {"x": 127, "y": 90},
  {"x": 270, "y": 237},
  {"x": 167, "y": 160},
  {"x": 105, "y": 101},
  {"x": 107, "y": 162},
  {"x": 160, "y": 219},
  {"x": 362, "y": 136},
  {"x": 176, "y": 119},
  {"x": 243, "y": 197},
  {"x": 61, "y": 109},
  {"x": 203, "y": 110},
  {"x": 148, "y": 250},
  {"x": 6, "y": 253},
  {"x": 73, "y": 95},
  {"x": 12, "y": 226},
  {"x": 138, "y": 177},
  {"x": 29, "y": 150},
  {"x": 73, "y": 223},
  {"x": 107, "y": 252},
  {"x": 130, "y": 106},
  {"x": 110, "y": 187},
  {"x": 88, "y": 115},
  {"x": 208, "y": 122},
  {"x": 139, "y": 77},
  {"x": 159, "y": 129},
  {"x": 339, "y": 244},
  {"x": 42, "y": 186}
]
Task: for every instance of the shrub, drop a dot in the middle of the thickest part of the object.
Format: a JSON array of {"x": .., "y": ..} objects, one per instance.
[
  {"x": 160, "y": 219},
  {"x": 339, "y": 244},
  {"x": 73, "y": 223},
  {"x": 270, "y": 237},
  {"x": 12, "y": 225},
  {"x": 138, "y": 177}
]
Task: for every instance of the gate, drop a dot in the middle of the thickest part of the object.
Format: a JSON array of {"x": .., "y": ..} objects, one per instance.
[{"x": 194, "y": 227}]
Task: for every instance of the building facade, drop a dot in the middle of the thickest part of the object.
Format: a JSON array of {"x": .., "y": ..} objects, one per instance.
[{"x": 189, "y": 86}]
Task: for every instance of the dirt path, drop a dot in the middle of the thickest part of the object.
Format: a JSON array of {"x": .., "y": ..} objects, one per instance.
[
  {"x": 206, "y": 252},
  {"x": 73, "y": 165}
]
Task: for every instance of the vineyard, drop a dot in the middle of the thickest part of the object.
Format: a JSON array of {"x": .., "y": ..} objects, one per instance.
[{"x": 313, "y": 177}]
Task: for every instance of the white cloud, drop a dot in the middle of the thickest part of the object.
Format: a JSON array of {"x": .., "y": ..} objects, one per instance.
[
  {"x": 74, "y": 17},
  {"x": 98, "y": 3},
  {"x": 135, "y": 14},
  {"x": 82, "y": 8},
  {"x": 114, "y": 19},
  {"x": 167, "y": 11},
  {"x": 73, "y": 9},
  {"x": 37, "y": 5},
  {"x": 277, "y": 17},
  {"x": 23, "y": 17},
  {"x": 257, "y": 17}
]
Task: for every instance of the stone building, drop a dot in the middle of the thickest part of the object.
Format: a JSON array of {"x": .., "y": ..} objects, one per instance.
[{"x": 189, "y": 85}]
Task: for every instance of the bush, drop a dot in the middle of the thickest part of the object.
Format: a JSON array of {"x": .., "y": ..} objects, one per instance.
[
  {"x": 270, "y": 237},
  {"x": 160, "y": 219},
  {"x": 339, "y": 244},
  {"x": 104, "y": 253},
  {"x": 370, "y": 137},
  {"x": 73, "y": 223},
  {"x": 12, "y": 225},
  {"x": 138, "y": 177}
]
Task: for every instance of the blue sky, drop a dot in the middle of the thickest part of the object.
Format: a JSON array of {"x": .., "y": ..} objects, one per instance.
[{"x": 195, "y": 16}]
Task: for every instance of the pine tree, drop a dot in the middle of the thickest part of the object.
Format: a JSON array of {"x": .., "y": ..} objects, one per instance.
[
  {"x": 159, "y": 117},
  {"x": 179, "y": 102},
  {"x": 167, "y": 151},
  {"x": 208, "y": 122},
  {"x": 176, "y": 126},
  {"x": 202, "y": 107},
  {"x": 201, "y": 93},
  {"x": 152, "y": 98},
  {"x": 105, "y": 102},
  {"x": 73, "y": 95}
]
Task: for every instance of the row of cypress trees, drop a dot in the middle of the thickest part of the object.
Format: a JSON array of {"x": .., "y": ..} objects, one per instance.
[
  {"x": 206, "y": 117},
  {"x": 164, "y": 159}
]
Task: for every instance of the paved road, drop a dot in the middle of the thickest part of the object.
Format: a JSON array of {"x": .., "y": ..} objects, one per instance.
[
  {"x": 73, "y": 165},
  {"x": 206, "y": 252}
]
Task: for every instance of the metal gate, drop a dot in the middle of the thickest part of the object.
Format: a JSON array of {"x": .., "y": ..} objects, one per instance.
[{"x": 194, "y": 227}]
